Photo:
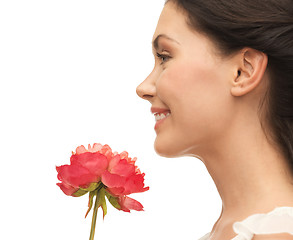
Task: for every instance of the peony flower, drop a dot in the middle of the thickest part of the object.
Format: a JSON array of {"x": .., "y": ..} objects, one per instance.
[{"x": 102, "y": 173}]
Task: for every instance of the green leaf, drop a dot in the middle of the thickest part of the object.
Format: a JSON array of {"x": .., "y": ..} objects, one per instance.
[
  {"x": 90, "y": 204},
  {"x": 83, "y": 191},
  {"x": 79, "y": 192},
  {"x": 113, "y": 200},
  {"x": 102, "y": 201},
  {"x": 93, "y": 186}
]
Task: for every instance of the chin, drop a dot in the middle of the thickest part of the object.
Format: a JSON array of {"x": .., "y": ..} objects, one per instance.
[
  {"x": 167, "y": 149},
  {"x": 172, "y": 149}
]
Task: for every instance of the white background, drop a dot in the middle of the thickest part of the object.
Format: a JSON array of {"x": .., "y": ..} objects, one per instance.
[{"x": 68, "y": 72}]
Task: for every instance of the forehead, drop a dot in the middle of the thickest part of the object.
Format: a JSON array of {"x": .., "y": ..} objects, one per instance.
[{"x": 172, "y": 22}]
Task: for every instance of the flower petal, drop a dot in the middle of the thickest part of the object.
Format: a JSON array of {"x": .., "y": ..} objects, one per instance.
[
  {"x": 96, "y": 147},
  {"x": 116, "y": 191},
  {"x": 80, "y": 149},
  {"x": 113, "y": 180},
  {"x": 107, "y": 151},
  {"x": 114, "y": 161},
  {"x": 135, "y": 184},
  {"x": 128, "y": 204},
  {"x": 75, "y": 176},
  {"x": 96, "y": 162},
  {"x": 67, "y": 189},
  {"x": 123, "y": 168}
]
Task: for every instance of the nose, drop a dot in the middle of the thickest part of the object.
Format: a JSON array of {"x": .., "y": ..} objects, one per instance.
[{"x": 147, "y": 89}]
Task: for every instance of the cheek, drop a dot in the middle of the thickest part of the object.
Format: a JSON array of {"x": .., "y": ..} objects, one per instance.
[
  {"x": 198, "y": 97},
  {"x": 188, "y": 84}
]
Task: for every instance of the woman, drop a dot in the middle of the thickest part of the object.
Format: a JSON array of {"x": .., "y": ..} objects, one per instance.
[{"x": 222, "y": 90}]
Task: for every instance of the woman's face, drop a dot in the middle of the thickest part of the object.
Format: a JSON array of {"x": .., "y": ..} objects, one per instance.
[{"x": 190, "y": 83}]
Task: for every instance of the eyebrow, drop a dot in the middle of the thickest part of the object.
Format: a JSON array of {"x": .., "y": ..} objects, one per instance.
[{"x": 155, "y": 43}]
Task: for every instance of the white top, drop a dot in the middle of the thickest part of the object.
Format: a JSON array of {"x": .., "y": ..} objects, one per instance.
[{"x": 280, "y": 220}]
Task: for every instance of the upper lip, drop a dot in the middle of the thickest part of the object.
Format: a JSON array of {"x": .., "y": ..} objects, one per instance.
[{"x": 155, "y": 110}]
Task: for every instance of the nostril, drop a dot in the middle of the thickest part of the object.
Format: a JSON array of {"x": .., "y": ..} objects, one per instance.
[
  {"x": 141, "y": 92},
  {"x": 147, "y": 96},
  {"x": 146, "y": 90}
]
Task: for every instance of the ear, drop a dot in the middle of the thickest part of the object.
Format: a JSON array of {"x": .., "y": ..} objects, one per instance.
[{"x": 251, "y": 68}]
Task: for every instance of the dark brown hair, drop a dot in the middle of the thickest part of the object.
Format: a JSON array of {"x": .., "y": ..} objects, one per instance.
[{"x": 264, "y": 25}]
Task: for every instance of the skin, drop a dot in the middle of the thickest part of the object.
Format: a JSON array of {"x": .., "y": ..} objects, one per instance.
[{"x": 214, "y": 103}]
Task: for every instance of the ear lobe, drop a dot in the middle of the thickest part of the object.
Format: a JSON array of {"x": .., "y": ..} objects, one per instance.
[{"x": 252, "y": 66}]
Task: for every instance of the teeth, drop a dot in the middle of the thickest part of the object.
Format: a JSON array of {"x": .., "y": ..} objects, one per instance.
[{"x": 159, "y": 116}]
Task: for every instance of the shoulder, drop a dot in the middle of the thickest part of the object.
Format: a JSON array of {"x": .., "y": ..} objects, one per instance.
[
  {"x": 275, "y": 225},
  {"x": 279, "y": 236}
]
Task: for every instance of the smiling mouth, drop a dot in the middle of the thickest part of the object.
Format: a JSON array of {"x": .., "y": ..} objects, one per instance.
[{"x": 160, "y": 116}]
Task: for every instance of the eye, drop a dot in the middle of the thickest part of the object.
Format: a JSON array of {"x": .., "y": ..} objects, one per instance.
[{"x": 163, "y": 57}]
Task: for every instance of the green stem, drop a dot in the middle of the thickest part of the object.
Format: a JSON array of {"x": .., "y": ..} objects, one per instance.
[{"x": 94, "y": 219}]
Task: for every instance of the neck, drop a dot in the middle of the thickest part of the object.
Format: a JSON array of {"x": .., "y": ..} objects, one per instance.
[{"x": 250, "y": 174}]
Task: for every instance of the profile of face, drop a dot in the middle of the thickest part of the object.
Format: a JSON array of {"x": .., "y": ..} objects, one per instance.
[{"x": 191, "y": 82}]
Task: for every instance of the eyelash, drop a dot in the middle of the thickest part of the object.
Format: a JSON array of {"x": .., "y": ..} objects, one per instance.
[{"x": 161, "y": 56}]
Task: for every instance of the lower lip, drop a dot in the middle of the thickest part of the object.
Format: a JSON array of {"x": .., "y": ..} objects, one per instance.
[{"x": 158, "y": 123}]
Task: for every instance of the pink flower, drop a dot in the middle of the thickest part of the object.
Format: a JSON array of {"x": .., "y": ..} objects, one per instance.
[{"x": 98, "y": 170}]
